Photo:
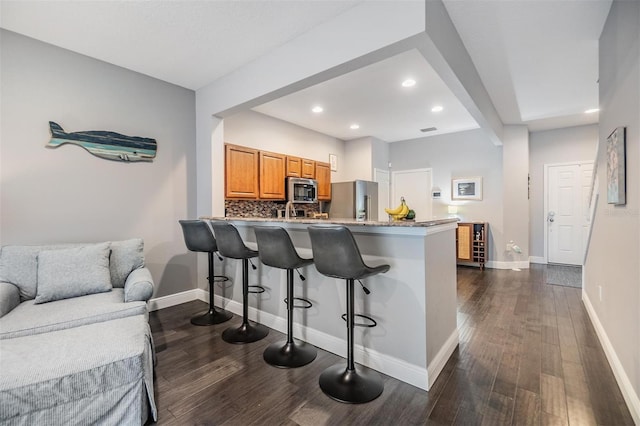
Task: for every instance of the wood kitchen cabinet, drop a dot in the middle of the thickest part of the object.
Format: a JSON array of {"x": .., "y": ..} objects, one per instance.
[
  {"x": 308, "y": 169},
  {"x": 294, "y": 166},
  {"x": 323, "y": 176},
  {"x": 472, "y": 243},
  {"x": 241, "y": 172},
  {"x": 272, "y": 174},
  {"x": 301, "y": 167}
]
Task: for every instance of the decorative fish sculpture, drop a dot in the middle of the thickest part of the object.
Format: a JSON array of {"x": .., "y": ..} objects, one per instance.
[{"x": 109, "y": 145}]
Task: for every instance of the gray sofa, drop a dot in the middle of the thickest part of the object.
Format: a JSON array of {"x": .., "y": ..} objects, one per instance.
[{"x": 75, "y": 343}]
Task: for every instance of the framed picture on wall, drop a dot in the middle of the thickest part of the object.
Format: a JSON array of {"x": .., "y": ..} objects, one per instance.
[
  {"x": 616, "y": 167},
  {"x": 466, "y": 188}
]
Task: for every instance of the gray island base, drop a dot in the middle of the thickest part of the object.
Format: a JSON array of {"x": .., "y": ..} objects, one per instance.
[{"x": 414, "y": 303}]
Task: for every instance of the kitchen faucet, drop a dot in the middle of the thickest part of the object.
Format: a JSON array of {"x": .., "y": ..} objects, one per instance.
[{"x": 289, "y": 208}]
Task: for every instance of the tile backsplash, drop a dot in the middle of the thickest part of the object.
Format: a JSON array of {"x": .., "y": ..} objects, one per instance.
[{"x": 250, "y": 208}]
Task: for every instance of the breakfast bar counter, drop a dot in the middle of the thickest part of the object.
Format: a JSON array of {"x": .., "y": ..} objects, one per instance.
[{"x": 414, "y": 303}]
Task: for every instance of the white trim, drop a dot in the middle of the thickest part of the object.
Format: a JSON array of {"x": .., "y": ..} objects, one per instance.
[
  {"x": 629, "y": 394},
  {"x": 412, "y": 374},
  {"x": 538, "y": 259},
  {"x": 436, "y": 366},
  {"x": 499, "y": 264},
  {"x": 176, "y": 299}
]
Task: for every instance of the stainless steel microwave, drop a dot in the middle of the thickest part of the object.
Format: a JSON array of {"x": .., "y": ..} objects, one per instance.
[{"x": 301, "y": 190}]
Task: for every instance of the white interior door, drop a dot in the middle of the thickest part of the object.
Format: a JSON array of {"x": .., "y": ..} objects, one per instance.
[
  {"x": 415, "y": 187},
  {"x": 382, "y": 177},
  {"x": 567, "y": 212}
]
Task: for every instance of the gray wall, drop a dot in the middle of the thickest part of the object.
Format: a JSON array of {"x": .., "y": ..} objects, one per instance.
[
  {"x": 68, "y": 195},
  {"x": 462, "y": 154},
  {"x": 547, "y": 147},
  {"x": 612, "y": 260}
]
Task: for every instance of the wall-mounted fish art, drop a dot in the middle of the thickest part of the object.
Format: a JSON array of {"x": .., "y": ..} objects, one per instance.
[{"x": 109, "y": 145}]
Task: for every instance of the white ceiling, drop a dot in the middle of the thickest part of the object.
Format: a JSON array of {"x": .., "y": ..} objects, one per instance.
[
  {"x": 374, "y": 98},
  {"x": 185, "y": 42},
  {"x": 537, "y": 58}
]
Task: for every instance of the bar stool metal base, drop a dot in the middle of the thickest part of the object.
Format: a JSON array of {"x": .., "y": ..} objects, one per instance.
[
  {"x": 246, "y": 333},
  {"x": 289, "y": 355},
  {"x": 351, "y": 386},
  {"x": 211, "y": 317}
]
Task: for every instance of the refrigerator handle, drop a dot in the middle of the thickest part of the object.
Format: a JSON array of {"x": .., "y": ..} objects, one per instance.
[{"x": 367, "y": 207}]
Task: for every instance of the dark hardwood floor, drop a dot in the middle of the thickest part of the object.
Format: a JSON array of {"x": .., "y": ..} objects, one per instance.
[{"x": 528, "y": 354}]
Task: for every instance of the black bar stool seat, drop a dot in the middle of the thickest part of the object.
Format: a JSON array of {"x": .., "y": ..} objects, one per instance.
[
  {"x": 276, "y": 250},
  {"x": 336, "y": 255},
  {"x": 199, "y": 238},
  {"x": 230, "y": 245}
]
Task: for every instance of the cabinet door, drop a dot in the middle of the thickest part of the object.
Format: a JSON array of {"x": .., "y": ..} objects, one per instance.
[
  {"x": 241, "y": 172},
  {"x": 272, "y": 173},
  {"x": 294, "y": 166},
  {"x": 323, "y": 176},
  {"x": 463, "y": 236},
  {"x": 308, "y": 169}
]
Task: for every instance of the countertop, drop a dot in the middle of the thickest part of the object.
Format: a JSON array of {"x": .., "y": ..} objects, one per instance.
[{"x": 349, "y": 222}]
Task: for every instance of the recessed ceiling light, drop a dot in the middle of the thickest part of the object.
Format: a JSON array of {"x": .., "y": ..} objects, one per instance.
[
  {"x": 592, "y": 110},
  {"x": 317, "y": 109},
  {"x": 437, "y": 108},
  {"x": 354, "y": 126},
  {"x": 408, "y": 83}
]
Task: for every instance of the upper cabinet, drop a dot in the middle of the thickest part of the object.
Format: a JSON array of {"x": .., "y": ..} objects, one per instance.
[
  {"x": 272, "y": 174},
  {"x": 241, "y": 172},
  {"x": 323, "y": 176},
  {"x": 308, "y": 169},
  {"x": 294, "y": 166},
  {"x": 301, "y": 167},
  {"x": 251, "y": 174}
]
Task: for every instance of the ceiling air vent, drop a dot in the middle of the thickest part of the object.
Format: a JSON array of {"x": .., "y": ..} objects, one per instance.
[{"x": 428, "y": 129}]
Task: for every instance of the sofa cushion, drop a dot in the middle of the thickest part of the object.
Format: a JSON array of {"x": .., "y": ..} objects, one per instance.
[
  {"x": 19, "y": 264},
  {"x": 9, "y": 298},
  {"x": 96, "y": 374},
  {"x": 126, "y": 256},
  {"x": 73, "y": 272},
  {"x": 29, "y": 318}
]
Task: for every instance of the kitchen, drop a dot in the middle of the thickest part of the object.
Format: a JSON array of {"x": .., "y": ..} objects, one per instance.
[{"x": 418, "y": 290}]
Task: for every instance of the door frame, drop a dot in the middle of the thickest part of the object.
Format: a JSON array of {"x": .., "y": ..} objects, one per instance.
[
  {"x": 376, "y": 173},
  {"x": 545, "y": 206}
]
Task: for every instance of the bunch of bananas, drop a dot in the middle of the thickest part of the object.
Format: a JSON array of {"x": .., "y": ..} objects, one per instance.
[{"x": 399, "y": 212}]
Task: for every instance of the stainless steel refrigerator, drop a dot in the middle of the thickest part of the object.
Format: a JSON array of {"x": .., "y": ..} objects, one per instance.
[{"x": 354, "y": 200}]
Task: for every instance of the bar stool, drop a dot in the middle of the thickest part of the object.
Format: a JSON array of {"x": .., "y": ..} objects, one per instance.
[
  {"x": 276, "y": 250},
  {"x": 336, "y": 255},
  {"x": 231, "y": 245},
  {"x": 199, "y": 238}
]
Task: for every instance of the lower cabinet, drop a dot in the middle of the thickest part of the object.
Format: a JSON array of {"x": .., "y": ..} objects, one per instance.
[{"x": 472, "y": 243}]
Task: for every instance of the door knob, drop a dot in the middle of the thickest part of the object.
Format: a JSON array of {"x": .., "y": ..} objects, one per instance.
[{"x": 551, "y": 216}]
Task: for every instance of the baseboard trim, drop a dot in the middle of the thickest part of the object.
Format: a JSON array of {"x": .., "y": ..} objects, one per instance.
[
  {"x": 176, "y": 299},
  {"x": 538, "y": 259},
  {"x": 412, "y": 374},
  {"x": 499, "y": 264},
  {"x": 628, "y": 393},
  {"x": 436, "y": 366}
]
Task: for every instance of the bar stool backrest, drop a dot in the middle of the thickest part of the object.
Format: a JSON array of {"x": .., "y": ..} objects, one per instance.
[
  {"x": 336, "y": 253},
  {"x": 276, "y": 249},
  {"x": 230, "y": 243},
  {"x": 198, "y": 236}
]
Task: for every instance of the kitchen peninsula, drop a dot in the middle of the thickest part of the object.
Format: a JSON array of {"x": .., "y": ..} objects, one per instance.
[{"x": 414, "y": 303}]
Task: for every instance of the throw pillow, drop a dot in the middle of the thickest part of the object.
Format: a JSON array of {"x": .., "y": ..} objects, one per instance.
[
  {"x": 126, "y": 256},
  {"x": 73, "y": 272}
]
